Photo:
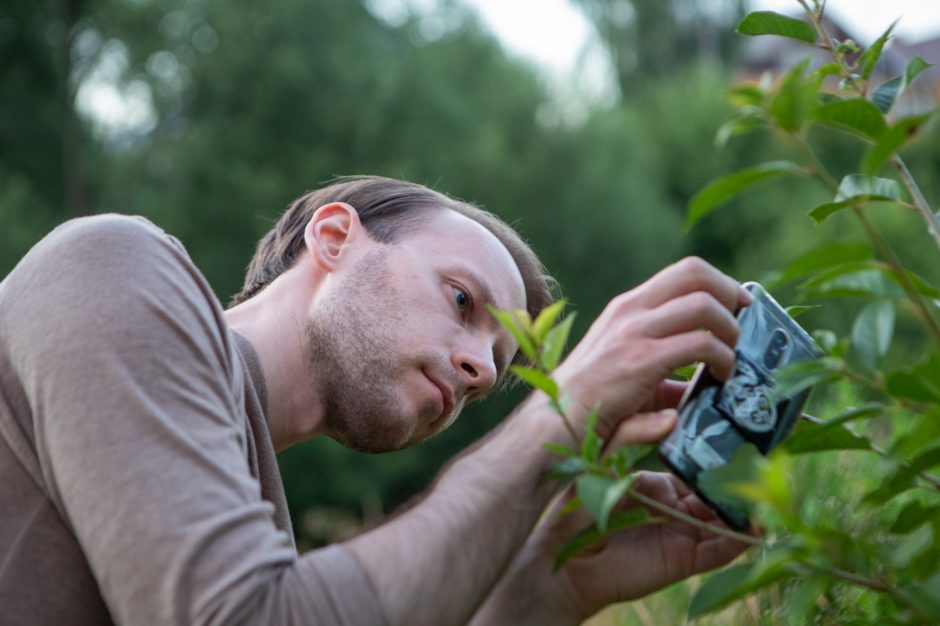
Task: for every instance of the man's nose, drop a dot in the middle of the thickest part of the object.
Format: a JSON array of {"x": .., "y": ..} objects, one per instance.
[{"x": 475, "y": 367}]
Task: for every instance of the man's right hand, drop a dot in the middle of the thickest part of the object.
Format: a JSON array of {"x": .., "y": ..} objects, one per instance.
[{"x": 682, "y": 315}]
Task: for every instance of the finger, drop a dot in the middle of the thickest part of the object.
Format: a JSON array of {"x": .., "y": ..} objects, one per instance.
[
  {"x": 667, "y": 395},
  {"x": 643, "y": 428},
  {"x": 698, "y": 345},
  {"x": 699, "y": 310},
  {"x": 660, "y": 486},
  {"x": 716, "y": 552},
  {"x": 687, "y": 276}
]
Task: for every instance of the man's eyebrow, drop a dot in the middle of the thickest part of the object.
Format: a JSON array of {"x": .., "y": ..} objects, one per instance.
[{"x": 483, "y": 289}]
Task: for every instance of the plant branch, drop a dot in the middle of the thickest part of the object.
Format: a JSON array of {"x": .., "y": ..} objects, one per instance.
[
  {"x": 892, "y": 259},
  {"x": 688, "y": 519},
  {"x": 933, "y": 224},
  {"x": 830, "y": 45},
  {"x": 886, "y": 251}
]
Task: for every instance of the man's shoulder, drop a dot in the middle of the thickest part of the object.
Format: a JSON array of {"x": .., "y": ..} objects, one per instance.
[
  {"x": 108, "y": 233},
  {"x": 106, "y": 274}
]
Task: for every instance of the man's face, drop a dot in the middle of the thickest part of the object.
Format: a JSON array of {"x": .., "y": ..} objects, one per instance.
[{"x": 402, "y": 340}]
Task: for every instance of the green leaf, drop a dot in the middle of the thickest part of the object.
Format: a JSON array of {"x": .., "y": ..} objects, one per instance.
[
  {"x": 801, "y": 375},
  {"x": 802, "y": 602},
  {"x": 901, "y": 384},
  {"x": 795, "y": 99},
  {"x": 914, "y": 68},
  {"x": 857, "y": 189},
  {"x": 589, "y": 536},
  {"x": 510, "y": 322},
  {"x": 925, "y": 431},
  {"x": 739, "y": 125},
  {"x": 537, "y": 379},
  {"x": 864, "y": 283},
  {"x": 925, "y": 460},
  {"x": 570, "y": 467},
  {"x": 810, "y": 437},
  {"x": 911, "y": 547},
  {"x": 887, "y": 94},
  {"x": 872, "y": 332},
  {"x": 856, "y": 115},
  {"x": 738, "y": 581},
  {"x": 591, "y": 490},
  {"x": 721, "y": 483},
  {"x": 865, "y": 411},
  {"x": 546, "y": 319},
  {"x": 591, "y": 443},
  {"x": 600, "y": 494},
  {"x": 884, "y": 96},
  {"x": 625, "y": 458},
  {"x": 922, "y": 285},
  {"x": 926, "y": 596},
  {"x": 823, "y": 257},
  {"x": 723, "y": 189},
  {"x": 899, "y": 482},
  {"x": 912, "y": 516},
  {"x": 771, "y": 23},
  {"x": 554, "y": 345},
  {"x": 891, "y": 141},
  {"x": 869, "y": 58},
  {"x": 920, "y": 383},
  {"x": 747, "y": 95},
  {"x": 559, "y": 449},
  {"x": 796, "y": 310},
  {"x": 829, "y": 69},
  {"x": 721, "y": 589}
]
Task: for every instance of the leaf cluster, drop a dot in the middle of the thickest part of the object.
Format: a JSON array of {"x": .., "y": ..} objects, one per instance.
[{"x": 890, "y": 549}]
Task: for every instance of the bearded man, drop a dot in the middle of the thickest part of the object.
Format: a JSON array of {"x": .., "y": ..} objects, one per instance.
[{"x": 139, "y": 421}]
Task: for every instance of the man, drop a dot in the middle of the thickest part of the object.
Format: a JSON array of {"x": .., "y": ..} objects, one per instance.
[{"x": 139, "y": 421}]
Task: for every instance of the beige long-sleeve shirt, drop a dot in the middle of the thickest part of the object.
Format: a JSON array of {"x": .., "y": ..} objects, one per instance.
[{"x": 138, "y": 482}]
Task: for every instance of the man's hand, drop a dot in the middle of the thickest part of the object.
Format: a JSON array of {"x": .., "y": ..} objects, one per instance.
[
  {"x": 683, "y": 314},
  {"x": 642, "y": 559},
  {"x": 626, "y": 566}
]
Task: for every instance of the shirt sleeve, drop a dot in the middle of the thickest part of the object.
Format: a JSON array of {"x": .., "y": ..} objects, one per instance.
[{"x": 135, "y": 394}]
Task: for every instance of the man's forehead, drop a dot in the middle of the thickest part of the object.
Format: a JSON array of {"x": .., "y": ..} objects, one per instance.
[{"x": 467, "y": 246}]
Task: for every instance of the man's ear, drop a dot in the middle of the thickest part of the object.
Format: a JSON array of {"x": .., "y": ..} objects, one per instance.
[{"x": 329, "y": 233}]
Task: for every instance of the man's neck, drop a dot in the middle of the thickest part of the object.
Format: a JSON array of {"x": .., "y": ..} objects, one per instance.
[{"x": 274, "y": 322}]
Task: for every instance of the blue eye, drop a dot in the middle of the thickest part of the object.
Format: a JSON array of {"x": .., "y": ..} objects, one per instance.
[{"x": 462, "y": 298}]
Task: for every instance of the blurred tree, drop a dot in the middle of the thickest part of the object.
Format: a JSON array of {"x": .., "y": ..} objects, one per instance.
[
  {"x": 241, "y": 106},
  {"x": 654, "y": 38}
]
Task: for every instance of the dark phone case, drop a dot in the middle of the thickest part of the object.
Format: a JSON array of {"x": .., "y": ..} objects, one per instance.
[{"x": 716, "y": 418}]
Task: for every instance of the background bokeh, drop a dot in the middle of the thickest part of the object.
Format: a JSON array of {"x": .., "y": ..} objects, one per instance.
[{"x": 209, "y": 117}]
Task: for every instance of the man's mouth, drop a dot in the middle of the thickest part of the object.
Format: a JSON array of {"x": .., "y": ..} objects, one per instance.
[{"x": 447, "y": 397}]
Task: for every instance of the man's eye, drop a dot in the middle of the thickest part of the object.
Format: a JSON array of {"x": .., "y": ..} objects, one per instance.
[{"x": 462, "y": 298}]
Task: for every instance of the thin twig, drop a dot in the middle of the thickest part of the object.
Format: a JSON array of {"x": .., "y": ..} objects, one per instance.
[
  {"x": 688, "y": 519},
  {"x": 933, "y": 225},
  {"x": 892, "y": 259}
]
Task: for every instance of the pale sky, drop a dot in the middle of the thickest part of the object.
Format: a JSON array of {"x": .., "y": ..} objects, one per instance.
[{"x": 554, "y": 33}]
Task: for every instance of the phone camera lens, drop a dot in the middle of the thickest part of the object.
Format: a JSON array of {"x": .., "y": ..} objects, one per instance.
[{"x": 777, "y": 349}]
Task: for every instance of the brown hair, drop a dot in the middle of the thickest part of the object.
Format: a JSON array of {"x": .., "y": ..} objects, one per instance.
[{"x": 388, "y": 209}]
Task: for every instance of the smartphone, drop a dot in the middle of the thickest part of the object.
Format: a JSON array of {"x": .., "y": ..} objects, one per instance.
[{"x": 716, "y": 418}]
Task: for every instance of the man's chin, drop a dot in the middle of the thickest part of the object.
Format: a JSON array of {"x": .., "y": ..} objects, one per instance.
[{"x": 375, "y": 441}]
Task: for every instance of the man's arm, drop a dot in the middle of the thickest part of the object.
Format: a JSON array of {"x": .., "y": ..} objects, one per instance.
[{"x": 437, "y": 562}]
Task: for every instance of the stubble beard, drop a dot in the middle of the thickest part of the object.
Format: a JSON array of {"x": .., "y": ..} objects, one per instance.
[{"x": 351, "y": 357}]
